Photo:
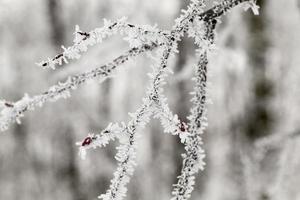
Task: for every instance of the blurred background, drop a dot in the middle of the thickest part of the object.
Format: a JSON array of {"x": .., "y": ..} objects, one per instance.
[{"x": 252, "y": 141}]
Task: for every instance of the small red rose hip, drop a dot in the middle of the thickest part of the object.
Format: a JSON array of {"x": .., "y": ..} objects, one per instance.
[{"x": 86, "y": 141}]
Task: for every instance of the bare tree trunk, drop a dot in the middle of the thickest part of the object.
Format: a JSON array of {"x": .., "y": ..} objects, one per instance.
[
  {"x": 259, "y": 118},
  {"x": 56, "y": 23},
  {"x": 68, "y": 170},
  {"x": 20, "y": 154}
]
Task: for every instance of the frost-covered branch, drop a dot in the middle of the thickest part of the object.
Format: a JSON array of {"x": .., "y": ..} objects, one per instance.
[
  {"x": 127, "y": 135},
  {"x": 193, "y": 158},
  {"x": 11, "y": 112},
  {"x": 195, "y": 23},
  {"x": 134, "y": 34}
]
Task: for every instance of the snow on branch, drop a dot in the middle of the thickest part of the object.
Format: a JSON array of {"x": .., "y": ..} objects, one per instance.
[
  {"x": 252, "y": 5},
  {"x": 127, "y": 135},
  {"x": 193, "y": 159},
  {"x": 11, "y": 112},
  {"x": 135, "y": 35},
  {"x": 196, "y": 23}
]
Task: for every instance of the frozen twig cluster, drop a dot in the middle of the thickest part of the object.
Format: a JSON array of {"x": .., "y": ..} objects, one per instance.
[{"x": 196, "y": 23}]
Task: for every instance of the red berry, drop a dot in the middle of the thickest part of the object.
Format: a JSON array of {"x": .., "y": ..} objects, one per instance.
[{"x": 86, "y": 141}]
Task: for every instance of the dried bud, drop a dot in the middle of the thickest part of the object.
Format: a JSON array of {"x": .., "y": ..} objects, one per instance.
[
  {"x": 86, "y": 141},
  {"x": 7, "y": 104},
  {"x": 183, "y": 127}
]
